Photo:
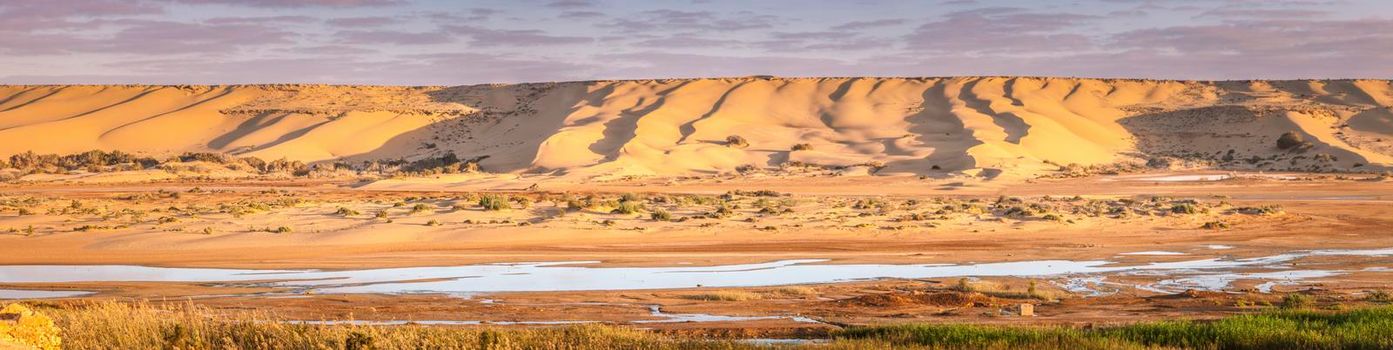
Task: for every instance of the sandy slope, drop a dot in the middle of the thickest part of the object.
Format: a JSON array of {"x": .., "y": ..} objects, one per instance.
[{"x": 679, "y": 127}]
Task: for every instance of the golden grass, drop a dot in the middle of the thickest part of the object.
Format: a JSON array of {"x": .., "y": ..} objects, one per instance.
[
  {"x": 796, "y": 290},
  {"x": 724, "y": 295},
  {"x": 112, "y": 325}
]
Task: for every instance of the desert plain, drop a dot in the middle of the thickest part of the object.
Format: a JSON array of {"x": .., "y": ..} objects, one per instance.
[{"x": 742, "y": 208}]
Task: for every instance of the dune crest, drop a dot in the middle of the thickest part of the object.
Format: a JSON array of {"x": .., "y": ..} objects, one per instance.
[{"x": 1014, "y": 125}]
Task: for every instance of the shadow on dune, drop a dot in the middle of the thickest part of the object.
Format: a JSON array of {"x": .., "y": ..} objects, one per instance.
[
  {"x": 1227, "y": 133},
  {"x": 512, "y": 137},
  {"x": 519, "y": 148},
  {"x": 1014, "y": 126},
  {"x": 935, "y": 124}
]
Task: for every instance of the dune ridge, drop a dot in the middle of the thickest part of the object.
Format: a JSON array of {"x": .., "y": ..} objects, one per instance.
[{"x": 1022, "y": 126}]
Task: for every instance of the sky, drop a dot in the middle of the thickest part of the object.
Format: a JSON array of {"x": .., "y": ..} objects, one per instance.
[{"x": 455, "y": 42}]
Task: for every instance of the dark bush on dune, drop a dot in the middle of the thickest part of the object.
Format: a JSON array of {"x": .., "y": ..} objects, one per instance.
[
  {"x": 1290, "y": 140},
  {"x": 737, "y": 141},
  {"x": 30, "y": 162}
]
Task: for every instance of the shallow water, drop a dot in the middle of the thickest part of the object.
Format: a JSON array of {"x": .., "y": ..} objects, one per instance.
[
  {"x": 40, "y": 294},
  {"x": 653, "y": 310},
  {"x": 1212, "y": 273}
]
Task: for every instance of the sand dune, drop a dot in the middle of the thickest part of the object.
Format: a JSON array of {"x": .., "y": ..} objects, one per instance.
[{"x": 926, "y": 126}]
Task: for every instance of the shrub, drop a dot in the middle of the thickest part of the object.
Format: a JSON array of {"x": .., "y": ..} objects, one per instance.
[
  {"x": 346, "y": 212},
  {"x": 1262, "y": 210},
  {"x": 733, "y": 295},
  {"x": 1379, "y": 296},
  {"x": 1215, "y": 225},
  {"x": 433, "y": 222},
  {"x": 23, "y": 328},
  {"x": 1185, "y": 208},
  {"x": 358, "y": 341},
  {"x": 420, "y": 208},
  {"x": 88, "y": 228},
  {"x": 1296, "y": 301},
  {"x": 796, "y": 290},
  {"x": 722, "y": 211},
  {"x": 803, "y": 147},
  {"x": 627, "y": 207},
  {"x": 963, "y": 285},
  {"x": 1290, "y": 140},
  {"x": 494, "y": 202},
  {"x": 282, "y": 229},
  {"x": 660, "y": 215},
  {"x": 737, "y": 141},
  {"x": 1018, "y": 211},
  {"x": 575, "y": 204}
]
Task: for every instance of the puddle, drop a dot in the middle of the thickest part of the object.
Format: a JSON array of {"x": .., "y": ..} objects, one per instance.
[
  {"x": 783, "y": 341},
  {"x": 1086, "y": 286},
  {"x": 1209, "y": 273},
  {"x": 40, "y": 294},
  {"x": 656, "y": 311},
  {"x": 1219, "y": 247},
  {"x": 1221, "y": 281},
  {"x": 439, "y": 323}
]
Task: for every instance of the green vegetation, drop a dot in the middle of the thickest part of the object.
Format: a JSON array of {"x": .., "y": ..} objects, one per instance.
[
  {"x": 494, "y": 202},
  {"x": 1358, "y": 329},
  {"x": 113, "y": 325},
  {"x": 1296, "y": 301}
]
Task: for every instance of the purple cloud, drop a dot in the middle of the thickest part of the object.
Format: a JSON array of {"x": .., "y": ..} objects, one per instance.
[
  {"x": 571, "y": 3},
  {"x": 499, "y": 37},
  {"x": 581, "y": 15},
  {"x": 666, "y": 19},
  {"x": 1001, "y": 30},
  {"x": 295, "y": 3},
  {"x": 358, "y": 22},
  {"x": 859, "y": 25},
  {"x": 391, "y": 37}
]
